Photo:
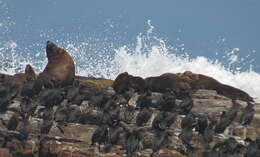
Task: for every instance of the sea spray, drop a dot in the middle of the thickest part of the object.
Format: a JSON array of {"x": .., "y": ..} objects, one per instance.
[
  {"x": 149, "y": 56},
  {"x": 157, "y": 60}
]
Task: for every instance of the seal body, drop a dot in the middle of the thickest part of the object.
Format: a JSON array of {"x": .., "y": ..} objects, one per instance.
[
  {"x": 30, "y": 73},
  {"x": 60, "y": 70},
  {"x": 125, "y": 81},
  {"x": 167, "y": 81},
  {"x": 20, "y": 78},
  {"x": 206, "y": 82},
  {"x": 188, "y": 80}
]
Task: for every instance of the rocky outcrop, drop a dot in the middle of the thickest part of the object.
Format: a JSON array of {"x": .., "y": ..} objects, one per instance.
[
  {"x": 76, "y": 137},
  {"x": 173, "y": 115}
]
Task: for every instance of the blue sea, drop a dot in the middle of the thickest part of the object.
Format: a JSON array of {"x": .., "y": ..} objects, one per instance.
[{"x": 108, "y": 51}]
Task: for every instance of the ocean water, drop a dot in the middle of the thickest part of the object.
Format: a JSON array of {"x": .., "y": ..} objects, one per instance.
[{"x": 148, "y": 55}]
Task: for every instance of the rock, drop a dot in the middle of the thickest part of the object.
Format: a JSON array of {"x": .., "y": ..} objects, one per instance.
[
  {"x": 133, "y": 100},
  {"x": 208, "y": 94},
  {"x": 80, "y": 121},
  {"x": 14, "y": 106},
  {"x": 156, "y": 97},
  {"x": 75, "y": 131},
  {"x": 211, "y": 106},
  {"x": 111, "y": 91},
  {"x": 120, "y": 100},
  {"x": 128, "y": 114},
  {"x": 168, "y": 153},
  {"x": 5, "y": 153},
  {"x": 97, "y": 83},
  {"x": 143, "y": 153},
  {"x": 256, "y": 120}
]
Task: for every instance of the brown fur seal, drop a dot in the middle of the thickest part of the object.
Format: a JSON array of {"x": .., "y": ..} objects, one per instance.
[
  {"x": 20, "y": 78},
  {"x": 124, "y": 82},
  {"x": 27, "y": 90},
  {"x": 188, "y": 80},
  {"x": 206, "y": 82},
  {"x": 30, "y": 73},
  {"x": 60, "y": 70},
  {"x": 167, "y": 80}
]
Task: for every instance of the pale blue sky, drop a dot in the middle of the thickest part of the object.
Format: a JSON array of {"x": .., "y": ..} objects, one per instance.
[{"x": 199, "y": 24}]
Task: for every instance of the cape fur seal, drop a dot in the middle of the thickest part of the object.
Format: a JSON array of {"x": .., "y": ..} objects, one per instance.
[
  {"x": 27, "y": 89},
  {"x": 30, "y": 73},
  {"x": 60, "y": 70},
  {"x": 188, "y": 80},
  {"x": 166, "y": 81},
  {"x": 20, "y": 78},
  {"x": 125, "y": 81}
]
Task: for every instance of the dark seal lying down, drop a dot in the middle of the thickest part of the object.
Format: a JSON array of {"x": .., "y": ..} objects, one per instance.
[
  {"x": 189, "y": 80},
  {"x": 179, "y": 83}
]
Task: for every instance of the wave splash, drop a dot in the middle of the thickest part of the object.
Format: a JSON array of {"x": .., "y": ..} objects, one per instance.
[
  {"x": 150, "y": 56},
  {"x": 152, "y": 60}
]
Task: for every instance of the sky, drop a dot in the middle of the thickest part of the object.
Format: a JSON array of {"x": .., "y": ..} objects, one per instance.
[{"x": 205, "y": 27}]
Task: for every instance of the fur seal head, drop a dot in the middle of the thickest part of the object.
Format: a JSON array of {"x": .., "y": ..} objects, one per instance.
[
  {"x": 30, "y": 73},
  {"x": 52, "y": 50}
]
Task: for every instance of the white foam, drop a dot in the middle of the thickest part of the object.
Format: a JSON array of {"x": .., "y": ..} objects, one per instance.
[
  {"x": 158, "y": 61},
  {"x": 149, "y": 57}
]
